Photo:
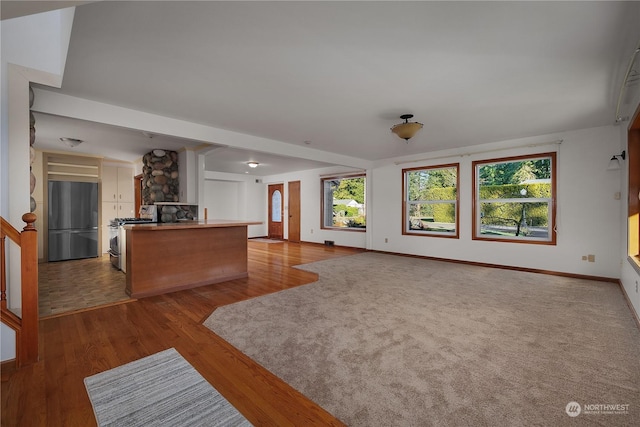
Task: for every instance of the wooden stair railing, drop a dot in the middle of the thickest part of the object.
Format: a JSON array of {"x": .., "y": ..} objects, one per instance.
[{"x": 25, "y": 325}]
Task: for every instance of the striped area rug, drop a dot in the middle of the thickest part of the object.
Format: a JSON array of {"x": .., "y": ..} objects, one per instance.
[{"x": 158, "y": 390}]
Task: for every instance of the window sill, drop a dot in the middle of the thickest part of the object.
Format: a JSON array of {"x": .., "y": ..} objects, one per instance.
[
  {"x": 431, "y": 234},
  {"x": 360, "y": 230},
  {"x": 511, "y": 240}
]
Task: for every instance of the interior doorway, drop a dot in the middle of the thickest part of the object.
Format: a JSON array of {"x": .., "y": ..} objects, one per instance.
[
  {"x": 294, "y": 212},
  {"x": 276, "y": 211}
]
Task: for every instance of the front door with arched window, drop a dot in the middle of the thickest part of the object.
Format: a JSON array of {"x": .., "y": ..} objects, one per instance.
[{"x": 276, "y": 211}]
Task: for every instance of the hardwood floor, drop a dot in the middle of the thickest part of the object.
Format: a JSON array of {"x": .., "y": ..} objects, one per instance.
[{"x": 52, "y": 393}]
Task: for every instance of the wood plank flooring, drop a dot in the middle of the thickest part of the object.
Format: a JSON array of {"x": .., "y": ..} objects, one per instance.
[{"x": 52, "y": 393}]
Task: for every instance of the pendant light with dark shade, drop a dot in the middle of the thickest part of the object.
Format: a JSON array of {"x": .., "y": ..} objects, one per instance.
[{"x": 406, "y": 130}]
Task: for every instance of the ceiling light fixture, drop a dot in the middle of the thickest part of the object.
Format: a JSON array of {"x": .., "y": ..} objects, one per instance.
[
  {"x": 614, "y": 163},
  {"x": 71, "y": 142},
  {"x": 253, "y": 164},
  {"x": 408, "y": 129}
]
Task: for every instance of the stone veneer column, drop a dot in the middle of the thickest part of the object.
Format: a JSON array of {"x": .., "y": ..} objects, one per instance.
[{"x": 160, "y": 177}]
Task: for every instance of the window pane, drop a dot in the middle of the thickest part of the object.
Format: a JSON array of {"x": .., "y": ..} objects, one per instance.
[
  {"x": 343, "y": 202},
  {"x": 514, "y": 198},
  {"x": 515, "y": 219},
  {"x": 515, "y": 172},
  {"x": 432, "y": 184},
  {"x": 430, "y": 206},
  {"x": 327, "y": 214},
  {"x": 276, "y": 206},
  {"x": 417, "y": 181},
  {"x": 541, "y": 189},
  {"x": 433, "y": 217}
]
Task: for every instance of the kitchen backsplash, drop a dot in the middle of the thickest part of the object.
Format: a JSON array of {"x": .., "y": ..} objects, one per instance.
[{"x": 176, "y": 212}]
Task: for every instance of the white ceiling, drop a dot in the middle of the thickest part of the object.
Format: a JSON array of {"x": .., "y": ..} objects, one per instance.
[
  {"x": 16, "y": 8},
  {"x": 100, "y": 139},
  {"x": 234, "y": 160},
  {"x": 122, "y": 144},
  {"x": 339, "y": 74}
]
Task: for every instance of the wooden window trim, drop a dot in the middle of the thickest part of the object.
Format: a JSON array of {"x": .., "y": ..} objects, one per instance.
[
  {"x": 554, "y": 184},
  {"x": 322, "y": 196},
  {"x": 456, "y": 235},
  {"x": 633, "y": 214}
]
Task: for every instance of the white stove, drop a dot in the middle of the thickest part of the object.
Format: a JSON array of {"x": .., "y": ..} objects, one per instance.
[{"x": 118, "y": 240}]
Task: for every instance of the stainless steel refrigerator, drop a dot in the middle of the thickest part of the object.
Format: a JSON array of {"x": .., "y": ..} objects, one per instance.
[{"x": 73, "y": 220}]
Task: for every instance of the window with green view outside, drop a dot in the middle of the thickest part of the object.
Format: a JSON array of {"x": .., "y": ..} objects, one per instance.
[
  {"x": 514, "y": 199},
  {"x": 343, "y": 203},
  {"x": 431, "y": 201}
]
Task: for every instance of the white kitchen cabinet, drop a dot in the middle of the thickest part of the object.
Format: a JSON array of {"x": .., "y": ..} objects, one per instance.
[
  {"x": 117, "y": 198},
  {"x": 111, "y": 210},
  {"x": 125, "y": 210},
  {"x": 125, "y": 185},
  {"x": 109, "y": 184},
  {"x": 117, "y": 184}
]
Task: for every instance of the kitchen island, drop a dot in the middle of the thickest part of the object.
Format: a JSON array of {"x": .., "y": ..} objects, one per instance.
[{"x": 167, "y": 257}]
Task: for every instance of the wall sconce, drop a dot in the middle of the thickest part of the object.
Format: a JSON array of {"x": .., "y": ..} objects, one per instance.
[
  {"x": 253, "y": 164},
  {"x": 614, "y": 163}
]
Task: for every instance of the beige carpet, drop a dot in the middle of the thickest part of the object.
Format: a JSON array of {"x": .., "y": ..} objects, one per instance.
[{"x": 383, "y": 340}]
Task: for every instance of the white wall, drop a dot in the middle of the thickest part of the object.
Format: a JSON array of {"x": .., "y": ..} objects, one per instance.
[
  {"x": 38, "y": 195},
  {"x": 237, "y": 197},
  {"x": 255, "y": 206},
  {"x": 587, "y": 214},
  {"x": 34, "y": 49},
  {"x": 310, "y": 219},
  {"x": 629, "y": 276},
  {"x": 187, "y": 164},
  {"x": 222, "y": 199},
  {"x": 630, "y": 279},
  {"x": 50, "y": 102},
  {"x": 590, "y": 220}
]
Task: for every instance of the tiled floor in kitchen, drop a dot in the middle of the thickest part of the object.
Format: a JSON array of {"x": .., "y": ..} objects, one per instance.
[{"x": 67, "y": 286}]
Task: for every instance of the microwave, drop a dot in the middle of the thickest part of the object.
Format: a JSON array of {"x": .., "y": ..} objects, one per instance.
[{"x": 149, "y": 212}]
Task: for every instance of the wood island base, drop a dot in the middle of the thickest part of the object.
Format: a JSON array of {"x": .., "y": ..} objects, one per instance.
[{"x": 164, "y": 258}]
